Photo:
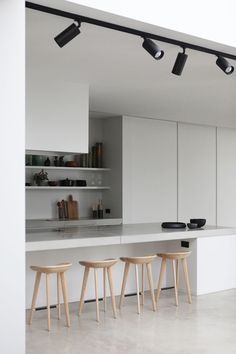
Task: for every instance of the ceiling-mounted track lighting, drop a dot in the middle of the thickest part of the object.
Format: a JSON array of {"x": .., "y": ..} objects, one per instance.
[
  {"x": 68, "y": 34},
  {"x": 153, "y": 49},
  {"x": 148, "y": 44},
  {"x": 179, "y": 63},
  {"x": 225, "y": 65}
]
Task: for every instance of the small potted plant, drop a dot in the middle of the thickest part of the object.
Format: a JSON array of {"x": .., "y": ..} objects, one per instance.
[{"x": 41, "y": 178}]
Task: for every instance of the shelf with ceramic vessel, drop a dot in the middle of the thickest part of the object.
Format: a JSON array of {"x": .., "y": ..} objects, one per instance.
[
  {"x": 60, "y": 168},
  {"x": 65, "y": 187}
]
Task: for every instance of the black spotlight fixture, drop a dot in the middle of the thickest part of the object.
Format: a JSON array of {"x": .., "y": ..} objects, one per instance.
[
  {"x": 68, "y": 34},
  {"x": 225, "y": 65},
  {"x": 179, "y": 63},
  {"x": 153, "y": 49}
]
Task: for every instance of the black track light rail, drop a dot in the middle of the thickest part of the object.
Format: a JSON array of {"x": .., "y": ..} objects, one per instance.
[{"x": 113, "y": 26}]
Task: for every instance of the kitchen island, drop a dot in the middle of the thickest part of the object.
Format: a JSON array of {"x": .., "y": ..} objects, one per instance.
[
  {"x": 212, "y": 264},
  {"x": 40, "y": 240}
]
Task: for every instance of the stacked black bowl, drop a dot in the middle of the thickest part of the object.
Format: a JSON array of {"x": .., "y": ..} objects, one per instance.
[{"x": 196, "y": 223}]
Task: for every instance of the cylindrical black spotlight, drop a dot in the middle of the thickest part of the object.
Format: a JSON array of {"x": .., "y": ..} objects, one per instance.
[
  {"x": 179, "y": 63},
  {"x": 67, "y": 35},
  {"x": 152, "y": 48},
  {"x": 224, "y": 65}
]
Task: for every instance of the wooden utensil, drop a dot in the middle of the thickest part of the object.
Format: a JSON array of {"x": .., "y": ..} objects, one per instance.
[{"x": 72, "y": 208}]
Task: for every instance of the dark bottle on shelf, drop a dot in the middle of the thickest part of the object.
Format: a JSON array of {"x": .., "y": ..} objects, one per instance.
[
  {"x": 94, "y": 212},
  {"x": 84, "y": 160},
  {"x": 94, "y": 156},
  {"x": 47, "y": 162},
  {"x": 99, "y": 152},
  {"x": 90, "y": 160},
  {"x": 100, "y": 210},
  {"x": 61, "y": 161},
  {"x": 56, "y": 161}
]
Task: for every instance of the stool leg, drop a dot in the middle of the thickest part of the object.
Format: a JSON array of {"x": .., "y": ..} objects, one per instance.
[
  {"x": 48, "y": 301},
  {"x": 142, "y": 284},
  {"x": 104, "y": 289},
  {"x": 137, "y": 287},
  {"x": 36, "y": 287},
  {"x": 84, "y": 285},
  {"x": 65, "y": 297},
  {"x": 96, "y": 293},
  {"x": 125, "y": 276},
  {"x": 109, "y": 273},
  {"x": 175, "y": 283},
  {"x": 177, "y": 273},
  {"x": 162, "y": 272},
  {"x": 58, "y": 297},
  {"x": 150, "y": 280},
  {"x": 186, "y": 278}
]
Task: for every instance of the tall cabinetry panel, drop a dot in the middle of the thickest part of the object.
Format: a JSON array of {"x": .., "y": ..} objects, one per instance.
[
  {"x": 149, "y": 170},
  {"x": 197, "y": 172},
  {"x": 57, "y": 116},
  {"x": 226, "y": 176}
]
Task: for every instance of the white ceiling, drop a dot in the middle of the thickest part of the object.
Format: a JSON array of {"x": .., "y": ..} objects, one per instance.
[
  {"x": 123, "y": 78},
  {"x": 209, "y": 19}
]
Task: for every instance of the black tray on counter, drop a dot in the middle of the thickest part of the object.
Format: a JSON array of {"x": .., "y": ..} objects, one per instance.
[{"x": 173, "y": 225}]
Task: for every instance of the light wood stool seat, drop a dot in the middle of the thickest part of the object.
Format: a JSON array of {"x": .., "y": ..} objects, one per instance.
[
  {"x": 174, "y": 257},
  {"x": 144, "y": 261},
  {"x": 60, "y": 270},
  {"x": 106, "y": 266}
]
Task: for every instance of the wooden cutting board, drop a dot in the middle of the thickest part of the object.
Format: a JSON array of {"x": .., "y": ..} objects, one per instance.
[{"x": 72, "y": 208}]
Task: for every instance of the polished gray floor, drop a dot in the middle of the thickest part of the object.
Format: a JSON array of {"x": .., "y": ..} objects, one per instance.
[{"x": 208, "y": 326}]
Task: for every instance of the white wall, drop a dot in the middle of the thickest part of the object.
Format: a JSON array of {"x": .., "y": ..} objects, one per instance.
[
  {"x": 12, "y": 176},
  {"x": 149, "y": 170},
  {"x": 197, "y": 172},
  {"x": 226, "y": 176},
  {"x": 181, "y": 15}
]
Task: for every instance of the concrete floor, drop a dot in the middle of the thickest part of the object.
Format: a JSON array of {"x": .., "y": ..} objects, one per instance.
[{"x": 208, "y": 326}]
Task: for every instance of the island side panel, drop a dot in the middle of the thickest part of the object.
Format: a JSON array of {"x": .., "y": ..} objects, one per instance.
[{"x": 216, "y": 264}]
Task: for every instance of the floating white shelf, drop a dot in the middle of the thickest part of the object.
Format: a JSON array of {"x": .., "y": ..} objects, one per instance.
[
  {"x": 69, "y": 188},
  {"x": 66, "y": 168}
]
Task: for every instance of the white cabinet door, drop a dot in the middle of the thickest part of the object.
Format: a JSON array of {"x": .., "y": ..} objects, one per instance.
[
  {"x": 149, "y": 170},
  {"x": 226, "y": 173},
  {"x": 197, "y": 172},
  {"x": 56, "y": 116}
]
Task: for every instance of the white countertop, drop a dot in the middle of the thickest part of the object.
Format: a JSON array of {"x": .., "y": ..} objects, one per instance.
[{"x": 115, "y": 235}]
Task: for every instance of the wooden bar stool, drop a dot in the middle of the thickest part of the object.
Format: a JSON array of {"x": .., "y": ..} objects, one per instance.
[
  {"x": 145, "y": 260},
  {"x": 174, "y": 257},
  {"x": 106, "y": 266},
  {"x": 60, "y": 270}
]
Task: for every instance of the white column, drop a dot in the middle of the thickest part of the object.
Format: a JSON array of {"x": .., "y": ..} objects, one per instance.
[{"x": 12, "y": 92}]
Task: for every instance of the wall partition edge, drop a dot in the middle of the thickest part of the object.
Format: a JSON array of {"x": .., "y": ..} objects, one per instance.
[
  {"x": 217, "y": 176},
  {"x": 12, "y": 251}
]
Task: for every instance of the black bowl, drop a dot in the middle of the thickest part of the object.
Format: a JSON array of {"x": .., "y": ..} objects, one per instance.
[
  {"x": 200, "y": 222},
  {"x": 192, "y": 225}
]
